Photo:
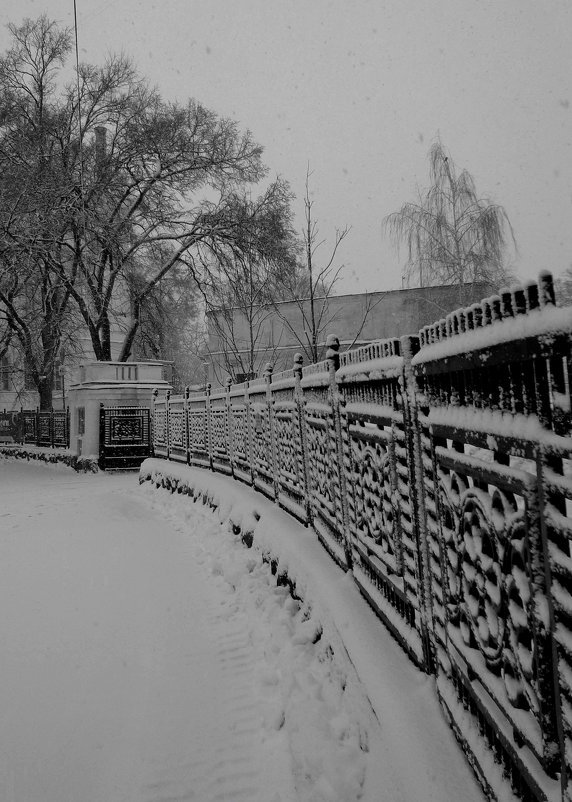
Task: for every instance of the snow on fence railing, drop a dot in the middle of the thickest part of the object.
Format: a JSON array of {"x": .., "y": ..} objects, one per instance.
[{"x": 437, "y": 469}]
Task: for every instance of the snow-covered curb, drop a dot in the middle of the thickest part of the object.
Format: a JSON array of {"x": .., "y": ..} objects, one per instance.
[
  {"x": 315, "y": 712},
  {"x": 51, "y": 457},
  {"x": 403, "y": 699}
]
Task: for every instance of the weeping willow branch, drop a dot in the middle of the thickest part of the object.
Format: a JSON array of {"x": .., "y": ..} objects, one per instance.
[{"x": 452, "y": 235}]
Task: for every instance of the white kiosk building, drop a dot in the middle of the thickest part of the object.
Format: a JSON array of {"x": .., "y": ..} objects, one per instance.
[{"x": 110, "y": 410}]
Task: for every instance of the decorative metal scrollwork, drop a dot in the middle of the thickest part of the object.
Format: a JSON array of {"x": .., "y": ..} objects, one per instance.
[
  {"x": 488, "y": 587},
  {"x": 374, "y": 515},
  {"x": 287, "y": 447},
  {"x": 262, "y": 443},
  {"x": 198, "y": 429},
  {"x": 159, "y": 426},
  {"x": 482, "y": 621},
  {"x": 218, "y": 429},
  {"x": 128, "y": 429},
  {"x": 452, "y": 488},
  {"x": 239, "y": 432},
  {"x": 177, "y": 428},
  {"x": 520, "y": 661},
  {"x": 320, "y": 466}
]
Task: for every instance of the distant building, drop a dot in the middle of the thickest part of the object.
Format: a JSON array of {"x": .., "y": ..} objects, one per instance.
[{"x": 355, "y": 319}]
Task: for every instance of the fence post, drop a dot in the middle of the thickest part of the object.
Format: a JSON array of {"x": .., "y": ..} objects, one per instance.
[
  {"x": 268, "y": 370},
  {"x": 101, "y": 449},
  {"x": 209, "y": 424},
  {"x": 186, "y": 425},
  {"x": 299, "y": 399},
  {"x": 249, "y": 431},
  {"x": 168, "y": 423},
  {"x": 154, "y": 396},
  {"x": 67, "y": 425},
  {"x": 229, "y": 444},
  {"x": 333, "y": 357},
  {"x": 547, "y": 377}
]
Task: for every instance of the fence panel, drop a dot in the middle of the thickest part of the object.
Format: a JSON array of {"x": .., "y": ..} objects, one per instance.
[
  {"x": 220, "y": 431},
  {"x": 240, "y": 432},
  {"x": 61, "y": 428},
  {"x": 160, "y": 428},
  {"x": 325, "y": 479},
  {"x": 495, "y": 497},
  {"x": 262, "y": 436},
  {"x": 198, "y": 427},
  {"x": 177, "y": 435},
  {"x": 291, "y": 480},
  {"x": 124, "y": 436},
  {"x": 379, "y": 480},
  {"x": 46, "y": 428},
  {"x": 10, "y": 427},
  {"x": 30, "y": 419}
]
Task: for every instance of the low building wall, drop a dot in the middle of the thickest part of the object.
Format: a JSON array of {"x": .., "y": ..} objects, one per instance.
[{"x": 356, "y": 318}]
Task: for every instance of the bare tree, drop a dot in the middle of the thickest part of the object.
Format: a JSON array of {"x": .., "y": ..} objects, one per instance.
[
  {"x": 453, "y": 236},
  {"x": 247, "y": 273},
  {"x": 312, "y": 286},
  {"x": 239, "y": 309},
  {"x": 34, "y": 302},
  {"x": 104, "y": 181},
  {"x": 162, "y": 185},
  {"x": 167, "y": 317}
]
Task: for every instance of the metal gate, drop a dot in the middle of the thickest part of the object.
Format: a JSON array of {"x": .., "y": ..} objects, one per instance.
[{"x": 124, "y": 436}]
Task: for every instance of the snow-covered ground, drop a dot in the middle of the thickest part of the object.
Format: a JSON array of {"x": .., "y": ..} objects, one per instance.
[{"x": 148, "y": 656}]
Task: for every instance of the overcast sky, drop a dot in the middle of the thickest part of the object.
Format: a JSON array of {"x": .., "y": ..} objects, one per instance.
[{"x": 359, "y": 89}]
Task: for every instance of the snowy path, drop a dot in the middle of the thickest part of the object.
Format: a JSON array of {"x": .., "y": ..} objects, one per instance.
[
  {"x": 129, "y": 672},
  {"x": 140, "y": 664}
]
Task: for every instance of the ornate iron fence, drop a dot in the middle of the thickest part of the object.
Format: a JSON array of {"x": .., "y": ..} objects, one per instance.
[
  {"x": 49, "y": 428},
  {"x": 437, "y": 469},
  {"x": 124, "y": 436}
]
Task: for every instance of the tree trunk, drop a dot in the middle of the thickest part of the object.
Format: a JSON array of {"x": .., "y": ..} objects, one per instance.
[
  {"x": 105, "y": 340},
  {"x": 95, "y": 337},
  {"x": 45, "y": 390},
  {"x": 127, "y": 346},
  {"x": 51, "y": 339}
]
